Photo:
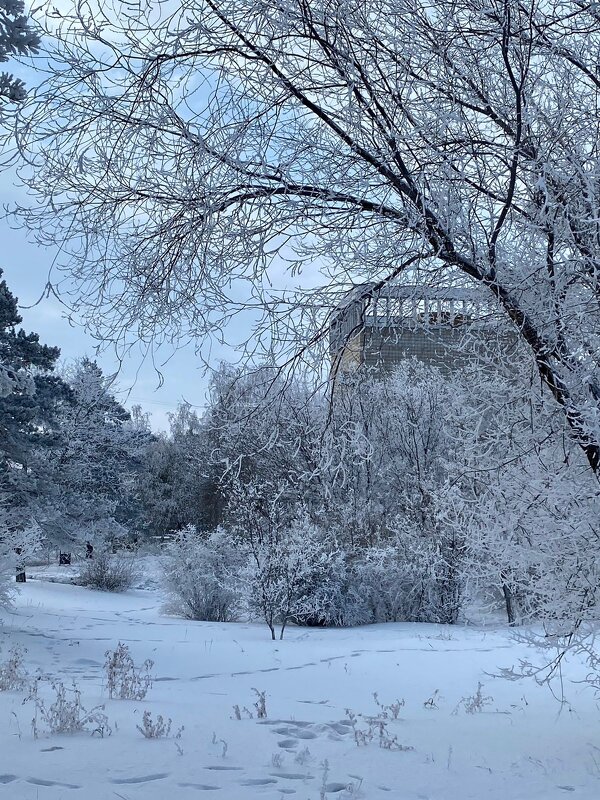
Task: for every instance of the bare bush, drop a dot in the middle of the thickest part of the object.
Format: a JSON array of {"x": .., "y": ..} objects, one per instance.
[
  {"x": 12, "y": 672},
  {"x": 109, "y": 573},
  {"x": 123, "y": 679},
  {"x": 376, "y": 730},
  {"x": 475, "y": 703},
  {"x": 158, "y": 729},
  {"x": 66, "y": 714},
  {"x": 261, "y": 704},
  {"x": 198, "y": 575}
]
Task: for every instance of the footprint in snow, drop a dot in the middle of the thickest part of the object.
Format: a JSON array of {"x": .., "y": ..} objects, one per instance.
[
  {"x": 225, "y": 769},
  {"x": 333, "y": 788},
  {"x": 297, "y": 733},
  {"x": 42, "y": 782},
  {"x": 203, "y": 787},
  {"x": 293, "y": 776},
  {"x": 142, "y": 779},
  {"x": 314, "y": 702}
]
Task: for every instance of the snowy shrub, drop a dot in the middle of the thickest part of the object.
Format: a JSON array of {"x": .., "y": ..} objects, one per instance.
[
  {"x": 199, "y": 575},
  {"x": 108, "y": 572},
  {"x": 303, "y": 756},
  {"x": 405, "y": 582},
  {"x": 326, "y": 596},
  {"x": 123, "y": 680},
  {"x": 295, "y": 574},
  {"x": 260, "y": 704},
  {"x": 379, "y": 595},
  {"x": 475, "y": 703},
  {"x": 66, "y": 714},
  {"x": 12, "y": 672},
  {"x": 376, "y": 730},
  {"x": 391, "y": 711},
  {"x": 158, "y": 729}
]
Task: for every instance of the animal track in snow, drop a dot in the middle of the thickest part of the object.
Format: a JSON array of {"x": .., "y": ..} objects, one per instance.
[
  {"x": 42, "y": 782},
  {"x": 332, "y": 788},
  {"x": 142, "y": 779},
  {"x": 225, "y": 769},
  {"x": 314, "y": 702},
  {"x": 204, "y": 787},
  {"x": 293, "y": 776}
]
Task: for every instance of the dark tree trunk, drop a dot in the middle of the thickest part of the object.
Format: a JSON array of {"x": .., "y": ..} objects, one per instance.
[{"x": 511, "y": 607}]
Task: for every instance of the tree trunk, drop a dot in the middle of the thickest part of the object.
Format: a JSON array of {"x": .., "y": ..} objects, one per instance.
[{"x": 511, "y": 607}]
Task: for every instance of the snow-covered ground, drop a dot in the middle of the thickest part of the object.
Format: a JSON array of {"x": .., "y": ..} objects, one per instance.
[{"x": 520, "y": 746}]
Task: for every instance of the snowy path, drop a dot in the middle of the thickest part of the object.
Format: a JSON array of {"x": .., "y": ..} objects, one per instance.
[{"x": 518, "y": 748}]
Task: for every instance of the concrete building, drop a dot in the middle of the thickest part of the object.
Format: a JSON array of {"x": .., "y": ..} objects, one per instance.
[{"x": 378, "y": 327}]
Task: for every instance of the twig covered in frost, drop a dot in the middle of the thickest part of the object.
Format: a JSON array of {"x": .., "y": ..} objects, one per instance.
[
  {"x": 392, "y": 710},
  {"x": 158, "y": 729},
  {"x": 66, "y": 714},
  {"x": 431, "y": 702},
  {"x": 474, "y": 703},
  {"x": 377, "y": 727},
  {"x": 261, "y": 704},
  {"x": 123, "y": 680},
  {"x": 12, "y": 672}
]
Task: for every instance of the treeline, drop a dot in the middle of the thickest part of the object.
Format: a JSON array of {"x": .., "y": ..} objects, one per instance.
[
  {"x": 417, "y": 495},
  {"x": 407, "y": 496},
  {"x": 71, "y": 455}
]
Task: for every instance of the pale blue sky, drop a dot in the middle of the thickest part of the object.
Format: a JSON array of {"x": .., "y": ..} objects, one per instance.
[{"x": 26, "y": 267}]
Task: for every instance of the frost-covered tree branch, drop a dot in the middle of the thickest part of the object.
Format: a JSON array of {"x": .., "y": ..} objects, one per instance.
[{"x": 191, "y": 161}]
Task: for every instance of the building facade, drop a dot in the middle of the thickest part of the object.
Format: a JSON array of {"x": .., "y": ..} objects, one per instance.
[{"x": 377, "y": 327}]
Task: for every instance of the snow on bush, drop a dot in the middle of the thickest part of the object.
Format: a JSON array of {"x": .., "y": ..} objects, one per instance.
[
  {"x": 123, "y": 680},
  {"x": 109, "y": 572},
  {"x": 65, "y": 714},
  {"x": 157, "y": 729},
  {"x": 407, "y": 581},
  {"x": 200, "y": 576},
  {"x": 12, "y": 671},
  {"x": 294, "y": 574}
]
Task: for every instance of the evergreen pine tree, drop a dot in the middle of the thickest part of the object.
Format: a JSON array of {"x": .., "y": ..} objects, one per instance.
[{"x": 28, "y": 400}]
